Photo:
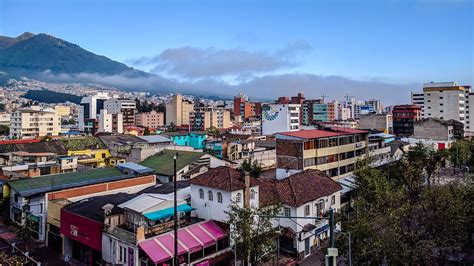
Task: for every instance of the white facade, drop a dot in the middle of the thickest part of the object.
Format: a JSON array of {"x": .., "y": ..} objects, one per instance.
[
  {"x": 109, "y": 122},
  {"x": 211, "y": 208},
  {"x": 418, "y": 99},
  {"x": 34, "y": 122},
  {"x": 470, "y": 113},
  {"x": 90, "y": 108},
  {"x": 280, "y": 118}
]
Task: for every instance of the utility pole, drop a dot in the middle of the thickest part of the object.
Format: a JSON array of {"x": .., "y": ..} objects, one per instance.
[
  {"x": 175, "y": 260},
  {"x": 332, "y": 251}
]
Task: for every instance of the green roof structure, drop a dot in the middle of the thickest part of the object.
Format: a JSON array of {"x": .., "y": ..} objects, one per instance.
[
  {"x": 48, "y": 183},
  {"x": 162, "y": 162}
]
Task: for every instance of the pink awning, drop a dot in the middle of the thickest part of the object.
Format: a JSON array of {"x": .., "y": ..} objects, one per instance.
[{"x": 190, "y": 239}]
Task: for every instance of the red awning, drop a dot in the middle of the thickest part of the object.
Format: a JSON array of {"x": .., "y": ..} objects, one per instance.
[{"x": 190, "y": 239}]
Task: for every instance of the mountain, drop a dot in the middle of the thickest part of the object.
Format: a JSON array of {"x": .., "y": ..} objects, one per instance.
[{"x": 29, "y": 55}]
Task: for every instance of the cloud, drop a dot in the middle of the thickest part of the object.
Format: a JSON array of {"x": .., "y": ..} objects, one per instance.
[
  {"x": 266, "y": 86},
  {"x": 198, "y": 63}
]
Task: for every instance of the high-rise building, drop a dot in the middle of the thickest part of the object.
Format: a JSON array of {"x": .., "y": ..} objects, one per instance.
[
  {"x": 151, "y": 120},
  {"x": 244, "y": 110},
  {"x": 126, "y": 107},
  {"x": 178, "y": 110},
  {"x": 311, "y": 112},
  {"x": 404, "y": 117},
  {"x": 110, "y": 122},
  {"x": 470, "y": 114},
  {"x": 444, "y": 100},
  {"x": 34, "y": 122},
  {"x": 89, "y": 111},
  {"x": 280, "y": 118},
  {"x": 205, "y": 117},
  {"x": 418, "y": 99}
]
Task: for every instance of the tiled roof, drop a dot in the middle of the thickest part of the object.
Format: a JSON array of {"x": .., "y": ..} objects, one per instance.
[
  {"x": 297, "y": 189},
  {"x": 162, "y": 162},
  {"x": 317, "y": 133},
  {"x": 56, "y": 147},
  {"x": 223, "y": 178}
]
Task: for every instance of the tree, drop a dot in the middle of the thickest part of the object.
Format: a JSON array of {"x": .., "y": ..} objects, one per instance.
[
  {"x": 25, "y": 232},
  {"x": 399, "y": 219},
  {"x": 172, "y": 127},
  {"x": 212, "y": 130},
  {"x": 254, "y": 169},
  {"x": 4, "y": 130},
  {"x": 146, "y": 131},
  {"x": 460, "y": 153},
  {"x": 253, "y": 232}
]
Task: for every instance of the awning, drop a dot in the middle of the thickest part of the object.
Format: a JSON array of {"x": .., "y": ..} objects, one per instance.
[
  {"x": 190, "y": 239},
  {"x": 168, "y": 212},
  {"x": 348, "y": 184}
]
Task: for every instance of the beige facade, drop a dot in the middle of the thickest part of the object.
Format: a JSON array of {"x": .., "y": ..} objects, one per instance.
[
  {"x": 62, "y": 110},
  {"x": 151, "y": 120},
  {"x": 206, "y": 117},
  {"x": 34, "y": 122},
  {"x": 177, "y": 111}
]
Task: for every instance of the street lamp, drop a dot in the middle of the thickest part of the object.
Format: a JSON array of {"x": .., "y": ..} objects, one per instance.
[
  {"x": 175, "y": 213},
  {"x": 350, "y": 250}
]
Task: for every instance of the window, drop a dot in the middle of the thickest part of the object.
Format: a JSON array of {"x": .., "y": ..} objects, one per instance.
[
  {"x": 333, "y": 199},
  {"x": 320, "y": 207},
  {"x": 306, "y": 210},
  {"x": 252, "y": 194},
  {"x": 238, "y": 197},
  {"x": 219, "y": 197},
  {"x": 122, "y": 254},
  {"x": 309, "y": 145},
  {"x": 201, "y": 193},
  {"x": 287, "y": 211},
  {"x": 210, "y": 195}
]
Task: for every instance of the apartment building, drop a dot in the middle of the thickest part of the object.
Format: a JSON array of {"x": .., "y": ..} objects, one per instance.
[
  {"x": 151, "y": 120},
  {"x": 444, "y": 100},
  {"x": 244, "y": 110},
  {"x": 334, "y": 151},
  {"x": 418, "y": 99},
  {"x": 89, "y": 111},
  {"x": 34, "y": 122},
  {"x": 280, "y": 118},
  {"x": 404, "y": 117},
  {"x": 470, "y": 114},
  {"x": 178, "y": 110},
  {"x": 205, "y": 117},
  {"x": 126, "y": 107},
  {"x": 111, "y": 122}
]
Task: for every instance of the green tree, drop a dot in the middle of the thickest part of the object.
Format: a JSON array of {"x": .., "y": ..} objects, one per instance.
[
  {"x": 172, "y": 127},
  {"x": 4, "y": 130},
  {"x": 253, "y": 232},
  {"x": 460, "y": 153},
  {"x": 146, "y": 131},
  {"x": 212, "y": 130},
  {"x": 24, "y": 232},
  {"x": 254, "y": 169}
]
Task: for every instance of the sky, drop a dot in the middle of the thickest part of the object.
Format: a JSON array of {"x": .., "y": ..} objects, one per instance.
[{"x": 365, "y": 48}]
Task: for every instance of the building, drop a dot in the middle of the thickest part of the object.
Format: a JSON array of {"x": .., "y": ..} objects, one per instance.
[
  {"x": 377, "y": 122},
  {"x": 445, "y": 100},
  {"x": 334, "y": 151},
  {"x": 34, "y": 123},
  {"x": 151, "y": 120},
  {"x": 418, "y": 99},
  {"x": 206, "y": 117},
  {"x": 311, "y": 112},
  {"x": 63, "y": 111},
  {"x": 439, "y": 130},
  {"x": 298, "y": 99},
  {"x": 89, "y": 111},
  {"x": 5, "y": 119},
  {"x": 309, "y": 193},
  {"x": 177, "y": 111},
  {"x": 470, "y": 114},
  {"x": 110, "y": 122},
  {"x": 374, "y": 106},
  {"x": 194, "y": 140},
  {"x": 280, "y": 118},
  {"x": 244, "y": 110},
  {"x": 126, "y": 107},
  {"x": 21, "y": 164},
  {"x": 404, "y": 117},
  {"x": 29, "y": 198},
  {"x": 128, "y": 147}
]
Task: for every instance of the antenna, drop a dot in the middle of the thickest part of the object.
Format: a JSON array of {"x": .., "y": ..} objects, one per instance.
[
  {"x": 348, "y": 97},
  {"x": 324, "y": 97}
]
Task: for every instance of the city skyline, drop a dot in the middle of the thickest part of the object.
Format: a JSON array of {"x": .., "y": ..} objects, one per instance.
[{"x": 368, "y": 49}]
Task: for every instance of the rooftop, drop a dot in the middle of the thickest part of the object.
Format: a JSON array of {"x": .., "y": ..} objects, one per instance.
[
  {"x": 122, "y": 139},
  {"x": 223, "y": 178},
  {"x": 83, "y": 143},
  {"x": 92, "y": 207},
  {"x": 46, "y": 183},
  {"x": 56, "y": 147},
  {"x": 297, "y": 189},
  {"x": 162, "y": 162},
  {"x": 165, "y": 188},
  {"x": 155, "y": 139},
  {"x": 317, "y": 133}
]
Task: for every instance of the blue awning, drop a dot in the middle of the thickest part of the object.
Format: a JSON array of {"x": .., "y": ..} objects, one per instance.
[{"x": 165, "y": 213}]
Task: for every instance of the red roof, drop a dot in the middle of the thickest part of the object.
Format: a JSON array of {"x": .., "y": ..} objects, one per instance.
[
  {"x": 317, "y": 133},
  {"x": 19, "y": 141}
]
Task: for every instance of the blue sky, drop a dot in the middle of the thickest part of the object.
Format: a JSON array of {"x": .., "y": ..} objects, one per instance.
[{"x": 393, "y": 41}]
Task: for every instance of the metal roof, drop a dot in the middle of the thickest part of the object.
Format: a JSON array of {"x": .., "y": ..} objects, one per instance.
[
  {"x": 135, "y": 167},
  {"x": 155, "y": 138}
]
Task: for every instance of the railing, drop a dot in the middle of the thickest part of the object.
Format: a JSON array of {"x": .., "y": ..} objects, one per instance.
[{"x": 121, "y": 234}]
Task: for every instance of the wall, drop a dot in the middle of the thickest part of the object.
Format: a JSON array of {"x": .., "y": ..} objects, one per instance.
[{"x": 81, "y": 229}]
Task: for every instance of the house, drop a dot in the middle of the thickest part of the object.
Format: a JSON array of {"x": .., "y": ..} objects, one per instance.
[
  {"x": 82, "y": 224},
  {"x": 309, "y": 193},
  {"x": 193, "y": 139},
  {"x": 91, "y": 152},
  {"x": 188, "y": 164},
  {"x": 132, "y": 148},
  {"x": 29, "y": 198}
]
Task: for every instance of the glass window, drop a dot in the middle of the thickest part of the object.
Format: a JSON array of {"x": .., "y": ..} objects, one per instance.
[
  {"x": 210, "y": 196},
  {"x": 201, "y": 193},
  {"x": 219, "y": 197},
  {"x": 333, "y": 199},
  {"x": 252, "y": 194},
  {"x": 320, "y": 207},
  {"x": 287, "y": 211},
  {"x": 238, "y": 197},
  {"x": 306, "y": 210}
]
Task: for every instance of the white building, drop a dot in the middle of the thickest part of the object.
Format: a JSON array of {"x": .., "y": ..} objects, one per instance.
[
  {"x": 126, "y": 107},
  {"x": 89, "y": 110},
  {"x": 34, "y": 122},
  {"x": 280, "y": 118},
  {"x": 418, "y": 99},
  {"x": 213, "y": 192},
  {"x": 112, "y": 123},
  {"x": 445, "y": 100},
  {"x": 470, "y": 114}
]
